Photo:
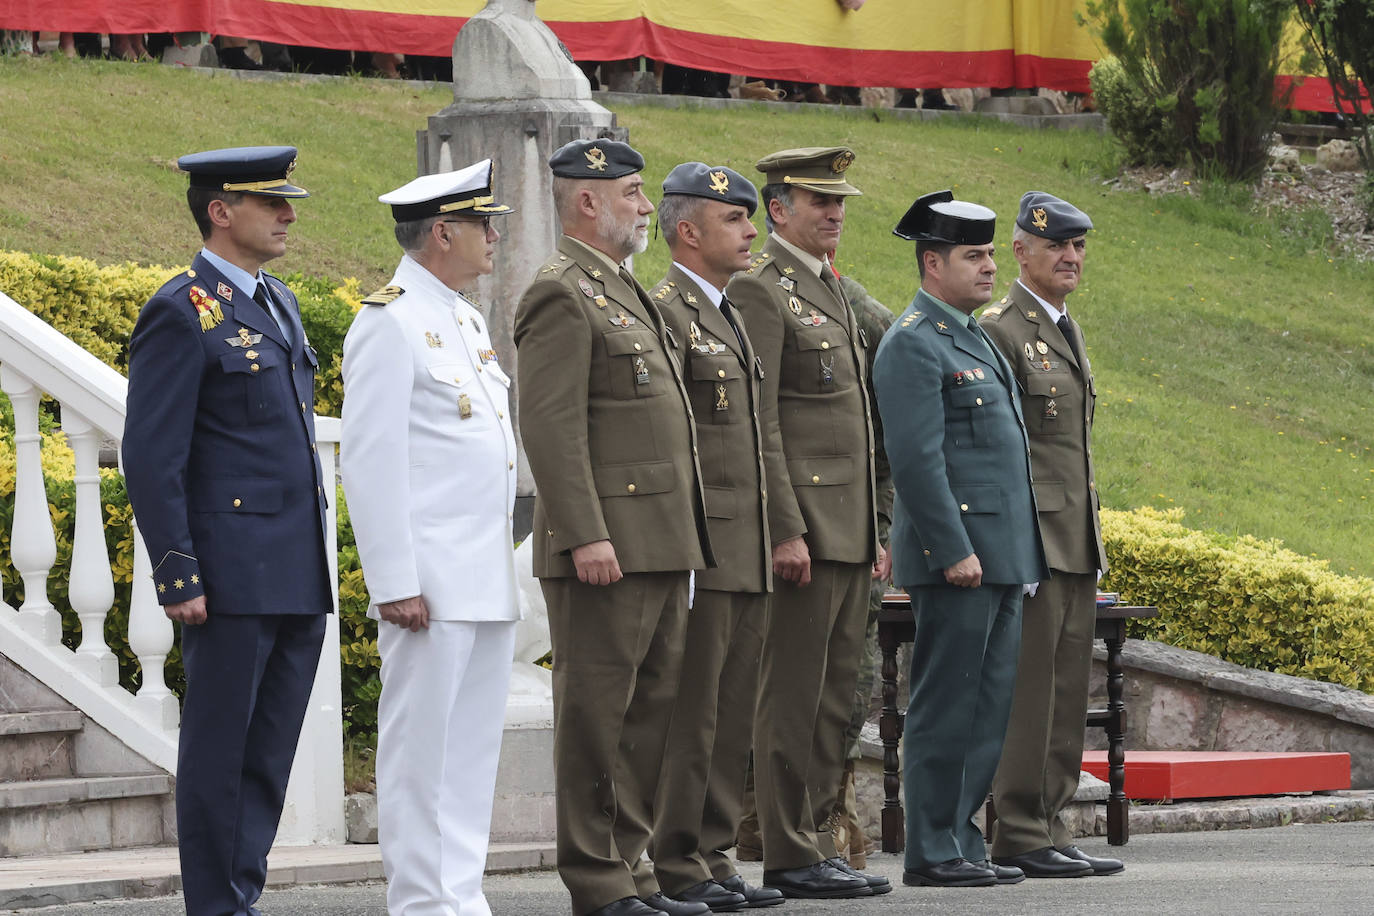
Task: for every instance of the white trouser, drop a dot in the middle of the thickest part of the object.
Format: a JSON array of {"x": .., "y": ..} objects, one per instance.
[{"x": 439, "y": 738}]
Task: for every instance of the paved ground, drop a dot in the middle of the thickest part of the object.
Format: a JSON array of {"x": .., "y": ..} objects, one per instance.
[{"x": 1304, "y": 868}]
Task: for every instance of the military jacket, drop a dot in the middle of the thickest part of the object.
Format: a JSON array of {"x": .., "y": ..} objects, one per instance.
[
  {"x": 817, "y": 434},
  {"x": 219, "y": 449},
  {"x": 722, "y": 375},
  {"x": 1057, "y": 397},
  {"x": 959, "y": 453},
  {"x": 606, "y": 421},
  {"x": 428, "y": 452}
]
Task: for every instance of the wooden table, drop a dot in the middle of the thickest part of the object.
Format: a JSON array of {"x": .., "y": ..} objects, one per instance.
[{"x": 896, "y": 626}]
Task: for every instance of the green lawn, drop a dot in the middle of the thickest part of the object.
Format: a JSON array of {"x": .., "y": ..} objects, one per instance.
[{"x": 1231, "y": 349}]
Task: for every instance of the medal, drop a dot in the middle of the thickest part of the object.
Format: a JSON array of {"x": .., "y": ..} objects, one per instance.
[
  {"x": 622, "y": 319},
  {"x": 245, "y": 339},
  {"x": 693, "y": 332},
  {"x": 978, "y": 373},
  {"x": 794, "y": 304},
  {"x": 1041, "y": 347},
  {"x": 722, "y": 401},
  {"x": 207, "y": 308},
  {"x": 586, "y": 287},
  {"x": 787, "y": 284},
  {"x": 464, "y": 407},
  {"x": 225, "y": 292},
  {"x": 1030, "y": 353},
  {"x": 828, "y": 371},
  {"x": 1051, "y": 409},
  {"x": 433, "y": 339},
  {"x": 641, "y": 371}
]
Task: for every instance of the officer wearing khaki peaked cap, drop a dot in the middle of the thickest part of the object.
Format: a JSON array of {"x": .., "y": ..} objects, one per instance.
[
  {"x": 619, "y": 522},
  {"x": 428, "y": 462},
  {"x": 1044, "y": 345},
  {"x": 964, "y": 536},
  {"x": 819, "y": 449}
]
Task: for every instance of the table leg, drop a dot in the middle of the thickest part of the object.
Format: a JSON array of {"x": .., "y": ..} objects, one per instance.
[
  {"x": 890, "y": 723},
  {"x": 1118, "y": 825}
]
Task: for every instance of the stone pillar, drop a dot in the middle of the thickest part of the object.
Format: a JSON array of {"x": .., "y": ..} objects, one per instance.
[{"x": 517, "y": 97}]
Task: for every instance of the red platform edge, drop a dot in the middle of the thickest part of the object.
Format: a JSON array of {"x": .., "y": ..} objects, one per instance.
[{"x": 1224, "y": 774}]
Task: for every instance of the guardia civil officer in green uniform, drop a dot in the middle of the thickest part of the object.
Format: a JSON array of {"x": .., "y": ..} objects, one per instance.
[
  {"x": 619, "y": 521},
  {"x": 964, "y": 536},
  {"x": 818, "y": 452},
  {"x": 704, "y": 215},
  {"x": 1044, "y": 747}
]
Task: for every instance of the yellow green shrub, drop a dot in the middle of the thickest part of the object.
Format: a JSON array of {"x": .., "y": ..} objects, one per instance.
[{"x": 1249, "y": 601}]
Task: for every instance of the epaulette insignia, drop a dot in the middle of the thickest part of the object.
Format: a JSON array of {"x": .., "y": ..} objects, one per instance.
[
  {"x": 384, "y": 296},
  {"x": 660, "y": 292},
  {"x": 994, "y": 311},
  {"x": 207, "y": 308}
]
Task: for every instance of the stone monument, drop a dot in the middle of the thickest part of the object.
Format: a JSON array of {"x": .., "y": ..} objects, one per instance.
[{"x": 517, "y": 97}]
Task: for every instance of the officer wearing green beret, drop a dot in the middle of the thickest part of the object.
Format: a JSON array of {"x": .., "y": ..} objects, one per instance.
[
  {"x": 618, "y": 523},
  {"x": 964, "y": 537},
  {"x": 1044, "y": 747},
  {"x": 818, "y": 442},
  {"x": 704, "y": 215}
]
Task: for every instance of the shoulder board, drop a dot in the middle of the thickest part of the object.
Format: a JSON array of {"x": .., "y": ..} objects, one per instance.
[
  {"x": 911, "y": 318},
  {"x": 384, "y": 296}
]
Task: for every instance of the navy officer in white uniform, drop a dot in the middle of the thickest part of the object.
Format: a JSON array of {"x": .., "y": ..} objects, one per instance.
[
  {"x": 219, "y": 458},
  {"x": 428, "y": 462}
]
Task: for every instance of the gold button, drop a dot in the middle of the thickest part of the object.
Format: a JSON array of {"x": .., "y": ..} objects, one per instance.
[
  {"x": 694, "y": 451},
  {"x": 510, "y": 464},
  {"x": 630, "y": 488},
  {"x": 302, "y": 405},
  {"x": 312, "y": 447},
  {"x": 457, "y": 380},
  {"x": 815, "y": 478},
  {"x": 978, "y": 401},
  {"x": 550, "y": 532},
  {"x": 963, "y": 507},
  {"x": 479, "y": 368},
  {"x": 1053, "y": 390},
  {"x": 1091, "y": 485},
  {"x": 237, "y": 503},
  {"x": 763, "y": 494},
  {"x": 720, "y": 372},
  {"x": 638, "y": 347},
  {"x": 254, "y": 367},
  {"x": 293, "y": 367},
  {"x": 500, "y": 415},
  {"x": 825, "y": 345},
  {"x": 926, "y": 552}
]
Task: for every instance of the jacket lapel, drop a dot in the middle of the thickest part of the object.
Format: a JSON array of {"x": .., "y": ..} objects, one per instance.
[
  {"x": 627, "y": 298},
  {"x": 245, "y": 311},
  {"x": 1045, "y": 329},
  {"x": 808, "y": 287},
  {"x": 713, "y": 324}
]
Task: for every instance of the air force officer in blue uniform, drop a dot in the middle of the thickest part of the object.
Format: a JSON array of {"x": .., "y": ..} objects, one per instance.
[
  {"x": 964, "y": 536},
  {"x": 222, "y": 472}
]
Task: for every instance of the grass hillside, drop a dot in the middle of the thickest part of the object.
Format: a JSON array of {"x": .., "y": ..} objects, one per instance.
[{"x": 1232, "y": 350}]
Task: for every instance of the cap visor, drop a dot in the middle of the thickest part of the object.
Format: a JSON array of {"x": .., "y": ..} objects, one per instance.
[{"x": 286, "y": 190}]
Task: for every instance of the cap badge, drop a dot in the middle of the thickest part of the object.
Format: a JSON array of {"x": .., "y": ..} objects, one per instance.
[
  {"x": 291, "y": 167},
  {"x": 1038, "y": 218},
  {"x": 596, "y": 159},
  {"x": 720, "y": 182},
  {"x": 225, "y": 292},
  {"x": 842, "y": 161},
  {"x": 586, "y": 287}
]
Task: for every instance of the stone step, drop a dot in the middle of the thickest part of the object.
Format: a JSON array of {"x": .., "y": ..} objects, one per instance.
[
  {"x": 38, "y": 745},
  {"x": 49, "y": 816}
]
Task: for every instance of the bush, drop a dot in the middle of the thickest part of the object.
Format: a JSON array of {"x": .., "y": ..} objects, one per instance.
[
  {"x": 1247, "y": 600},
  {"x": 1208, "y": 66},
  {"x": 1132, "y": 116}
]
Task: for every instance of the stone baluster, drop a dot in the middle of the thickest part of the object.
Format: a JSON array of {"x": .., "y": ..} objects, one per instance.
[
  {"x": 91, "y": 588},
  {"x": 150, "y": 638},
  {"x": 33, "y": 548}
]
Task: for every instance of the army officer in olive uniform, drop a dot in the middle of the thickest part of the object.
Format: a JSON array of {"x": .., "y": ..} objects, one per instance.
[
  {"x": 619, "y": 520},
  {"x": 704, "y": 215},
  {"x": 1044, "y": 748},
  {"x": 964, "y": 536},
  {"x": 818, "y": 451},
  {"x": 220, "y": 462}
]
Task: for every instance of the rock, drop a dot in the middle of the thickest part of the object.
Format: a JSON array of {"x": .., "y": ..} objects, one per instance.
[
  {"x": 194, "y": 55},
  {"x": 1284, "y": 159},
  {"x": 360, "y": 817},
  {"x": 1338, "y": 156}
]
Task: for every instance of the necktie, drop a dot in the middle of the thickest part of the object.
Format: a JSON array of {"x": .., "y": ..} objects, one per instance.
[
  {"x": 831, "y": 282},
  {"x": 1067, "y": 331},
  {"x": 728, "y": 310},
  {"x": 269, "y": 305}
]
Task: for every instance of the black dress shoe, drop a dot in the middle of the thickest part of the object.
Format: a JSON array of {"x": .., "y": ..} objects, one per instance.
[
  {"x": 714, "y": 896},
  {"x": 879, "y": 884},
  {"x": 626, "y": 906},
  {"x": 1100, "y": 866},
  {"x": 662, "y": 903},
  {"x": 1046, "y": 863},
  {"x": 821, "y": 881},
  {"x": 1006, "y": 874},
  {"x": 954, "y": 873},
  {"x": 754, "y": 896}
]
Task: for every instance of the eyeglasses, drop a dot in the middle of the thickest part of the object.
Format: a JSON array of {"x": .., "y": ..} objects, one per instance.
[{"x": 484, "y": 222}]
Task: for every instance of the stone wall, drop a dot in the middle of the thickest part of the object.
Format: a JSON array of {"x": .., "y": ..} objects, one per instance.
[{"x": 1177, "y": 699}]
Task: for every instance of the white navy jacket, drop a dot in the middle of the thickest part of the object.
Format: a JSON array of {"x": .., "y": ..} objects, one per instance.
[{"x": 428, "y": 453}]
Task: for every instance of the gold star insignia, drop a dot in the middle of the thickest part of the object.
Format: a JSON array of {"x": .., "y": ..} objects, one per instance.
[
  {"x": 1031, "y": 313},
  {"x": 788, "y": 270},
  {"x": 916, "y": 314},
  {"x": 596, "y": 272},
  {"x": 692, "y": 300},
  {"x": 942, "y": 326},
  {"x": 161, "y": 588},
  {"x": 195, "y": 580},
  {"x": 179, "y": 583}
]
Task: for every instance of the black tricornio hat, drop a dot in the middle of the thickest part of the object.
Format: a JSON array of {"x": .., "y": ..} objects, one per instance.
[
  {"x": 938, "y": 217},
  {"x": 713, "y": 182},
  {"x": 595, "y": 159}
]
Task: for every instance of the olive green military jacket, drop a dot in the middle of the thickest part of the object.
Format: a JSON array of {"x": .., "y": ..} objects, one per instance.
[
  {"x": 1057, "y": 397},
  {"x": 818, "y": 438},
  {"x": 605, "y": 420},
  {"x": 722, "y": 375}
]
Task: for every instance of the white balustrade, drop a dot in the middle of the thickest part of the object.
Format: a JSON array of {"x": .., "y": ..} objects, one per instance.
[
  {"x": 33, "y": 547},
  {"x": 91, "y": 585},
  {"x": 151, "y": 637}
]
